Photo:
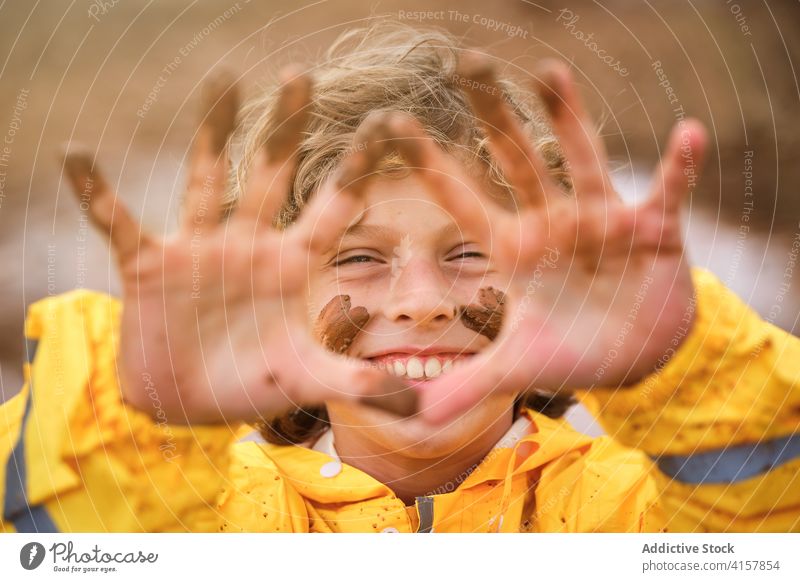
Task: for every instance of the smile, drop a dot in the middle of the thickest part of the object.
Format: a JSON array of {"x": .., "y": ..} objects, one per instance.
[{"x": 419, "y": 367}]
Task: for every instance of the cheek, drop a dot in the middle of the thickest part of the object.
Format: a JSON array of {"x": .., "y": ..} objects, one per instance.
[
  {"x": 466, "y": 289},
  {"x": 363, "y": 293},
  {"x": 491, "y": 408}
]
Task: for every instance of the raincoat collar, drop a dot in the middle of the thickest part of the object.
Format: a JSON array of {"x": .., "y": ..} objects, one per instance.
[{"x": 317, "y": 473}]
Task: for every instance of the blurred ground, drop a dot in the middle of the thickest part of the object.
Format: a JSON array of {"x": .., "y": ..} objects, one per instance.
[{"x": 83, "y": 70}]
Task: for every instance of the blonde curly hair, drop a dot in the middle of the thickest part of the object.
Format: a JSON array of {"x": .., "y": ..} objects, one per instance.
[{"x": 389, "y": 66}]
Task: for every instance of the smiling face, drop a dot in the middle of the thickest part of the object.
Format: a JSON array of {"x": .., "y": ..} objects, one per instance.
[{"x": 408, "y": 263}]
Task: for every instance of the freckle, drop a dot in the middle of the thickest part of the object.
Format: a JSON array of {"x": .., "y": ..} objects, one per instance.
[
  {"x": 277, "y": 478},
  {"x": 374, "y": 526},
  {"x": 264, "y": 514}
]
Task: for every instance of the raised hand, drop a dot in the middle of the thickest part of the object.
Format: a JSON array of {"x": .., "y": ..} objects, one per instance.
[
  {"x": 598, "y": 293},
  {"x": 214, "y": 316}
]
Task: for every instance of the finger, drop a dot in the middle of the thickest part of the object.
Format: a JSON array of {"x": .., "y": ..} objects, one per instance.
[
  {"x": 370, "y": 145},
  {"x": 450, "y": 396},
  {"x": 464, "y": 387},
  {"x": 268, "y": 182},
  {"x": 319, "y": 376},
  {"x": 107, "y": 213},
  {"x": 463, "y": 197},
  {"x": 336, "y": 327},
  {"x": 208, "y": 159},
  {"x": 456, "y": 191},
  {"x": 488, "y": 372},
  {"x": 516, "y": 363},
  {"x": 509, "y": 145},
  {"x": 582, "y": 146},
  {"x": 324, "y": 220},
  {"x": 680, "y": 166},
  {"x": 340, "y": 199},
  {"x": 350, "y": 380}
]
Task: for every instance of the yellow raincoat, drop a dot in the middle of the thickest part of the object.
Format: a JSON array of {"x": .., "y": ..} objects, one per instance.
[{"x": 711, "y": 442}]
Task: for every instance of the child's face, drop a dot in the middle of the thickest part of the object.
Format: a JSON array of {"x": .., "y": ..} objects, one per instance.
[{"x": 407, "y": 262}]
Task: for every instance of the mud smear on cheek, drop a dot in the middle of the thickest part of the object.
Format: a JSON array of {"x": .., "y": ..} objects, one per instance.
[
  {"x": 336, "y": 328},
  {"x": 485, "y": 317},
  {"x": 339, "y": 323}
]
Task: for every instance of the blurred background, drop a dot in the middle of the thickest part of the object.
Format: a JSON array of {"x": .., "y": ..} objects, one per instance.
[{"x": 123, "y": 77}]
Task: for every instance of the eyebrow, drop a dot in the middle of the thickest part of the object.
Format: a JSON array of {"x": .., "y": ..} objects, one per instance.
[{"x": 359, "y": 230}]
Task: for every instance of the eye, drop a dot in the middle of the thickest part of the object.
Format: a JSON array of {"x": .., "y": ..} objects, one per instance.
[
  {"x": 465, "y": 251},
  {"x": 355, "y": 259},
  {"x": 468, "y": 254}
]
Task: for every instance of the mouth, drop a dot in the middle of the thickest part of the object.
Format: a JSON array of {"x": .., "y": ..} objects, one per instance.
[{"x": 419, "y": 365}]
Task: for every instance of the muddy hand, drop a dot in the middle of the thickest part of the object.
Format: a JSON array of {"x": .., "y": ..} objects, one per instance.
[
  {"x": 213, "y": 320},
  {"x": 584, "y": 270}
]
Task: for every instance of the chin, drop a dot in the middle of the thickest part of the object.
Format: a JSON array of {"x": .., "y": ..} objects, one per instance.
[{"x": 415, "y": 438}]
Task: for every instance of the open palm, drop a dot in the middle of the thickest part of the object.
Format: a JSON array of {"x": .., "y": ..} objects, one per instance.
[
  {"x": 214, "y": 316},
  {"x": 598, "y": 292}
]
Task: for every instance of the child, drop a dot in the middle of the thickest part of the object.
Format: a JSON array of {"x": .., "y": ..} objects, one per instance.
[{"x": 410, "y": 208}]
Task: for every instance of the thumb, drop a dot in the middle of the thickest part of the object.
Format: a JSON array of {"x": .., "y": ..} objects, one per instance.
[
  {"x": 466, "y": 386},
  {"x": 332, "y": 377}
]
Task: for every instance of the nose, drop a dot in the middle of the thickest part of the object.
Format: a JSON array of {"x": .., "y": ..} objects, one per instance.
[{"x": 419, "y": 293}]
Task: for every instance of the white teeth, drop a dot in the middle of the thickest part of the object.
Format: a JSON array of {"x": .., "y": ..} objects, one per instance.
[
  {"x": 432, "y": 368},
  {"x": 414, "y": 368}
]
